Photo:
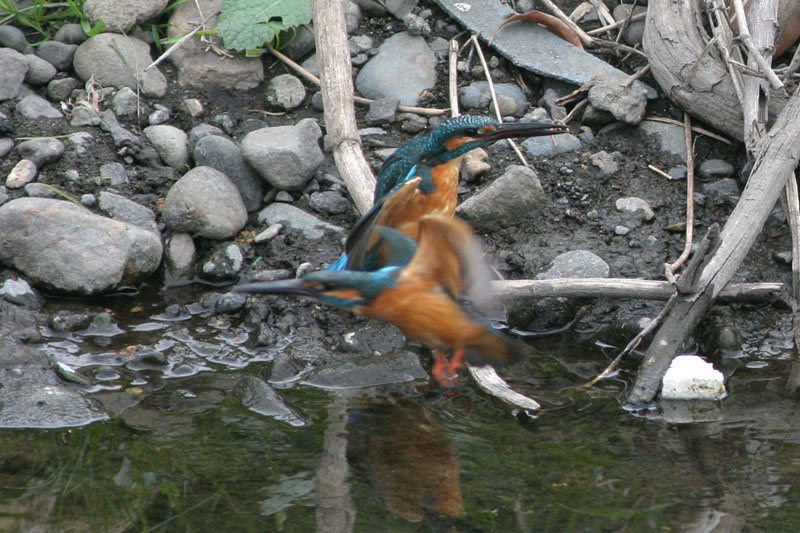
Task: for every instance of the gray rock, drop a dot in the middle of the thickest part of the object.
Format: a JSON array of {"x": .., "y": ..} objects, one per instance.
[
  {"x": 368, "y": 371},
  {"x": 159, "y": 116},
  {"x": 82, "y": 115},
  {"x": 285, "y": 92},
  {"x": 40, "y": 190},
  {"x": 670, "y": 137},
  {"x": 36, "y": 107},
  {"x": 224, "y": 155},
  {"x": 510, "y": 197},
  {"x": 179, "y": 254},
  {"x": 311, "y": 65},
  {"x": 400, "y": 8},
  {"x": 199, "y": 66},
  {"x": 635, "y": 30},
  {"x": 192, "y": 107},
  {"x": 200, "y": 131},
  {"x": 716, "y": 168},
  {"x": 551, "y": 145},
  {"x": 119, "y": 15},
  {"x": 382, "y": 111},
  {"x": 328, "y": 202},
  {"x": 67, "y": 249},
  {"x": 3, "y": 194},
  {"x": 46, "y": 406},
  {"x": 126, "y": 102},
  {"x": 23, "y": 173},
  {"x": 373, "y": 8},
  {"x": 14, "y": 67},
  {"x": 720, "y": 190},
  {"x": 295, "y": 219},
  {"x": 576, "y": 264},
  {"x": 596, "y": 118},
  {"x": 604, "y": 162},
  {"x": 120, "y": 135},
  {"x": 477, "y": 95},
  {"x": 89, "y": 200},
  {"x": 41, "y": 150},
  {"x": 171, "y": 143},
  {"x": 548, "y": 101},
  {"x": 120, "y": 208},
  {"x": 352, "y": 16},
  {"x": 70, "y": 34},
  {"x": 19, "y": 291},
  {"x": 678, "y": 172},
  {"x": 60, "y": 89},
  {"x": 636, "y": 207},
  {"x": 268, "y": 234},
  {"x": 626, "y": 103},
  {"x": 416, "y": 25},
  {"x": 102, "y": 56},
  {"x": 301, "y": 42},
  {"x": 403, "y": 68},
  {"x": 6, "y": 145},
  {"x": 205, "y": 201},
  {"x": 58, "y": 54},
  {"x": 12, "y": 37},
  {"x": 115, "y": 173},
  {"x": 39, "y": 70},
  {"x": 285, "y": 156},
  {"x": 260, "y": 398},
  {"x": 225, "y": 263},
  {"x": 359, "y": 43}
]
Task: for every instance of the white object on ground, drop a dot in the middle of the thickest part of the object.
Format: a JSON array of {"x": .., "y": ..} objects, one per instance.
[{"x": 691, "y": 378}]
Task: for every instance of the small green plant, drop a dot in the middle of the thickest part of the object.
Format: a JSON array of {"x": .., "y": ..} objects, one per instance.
[
  {"x": 45, "y": 18},
  {"x": 251, "y": 24}
]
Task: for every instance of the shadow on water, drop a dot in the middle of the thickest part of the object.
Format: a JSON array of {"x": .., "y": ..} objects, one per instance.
[{"x": 193, "y": 445}]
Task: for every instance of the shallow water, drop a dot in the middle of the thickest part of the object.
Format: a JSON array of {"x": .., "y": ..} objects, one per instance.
[{"x": 184, "y": 453}]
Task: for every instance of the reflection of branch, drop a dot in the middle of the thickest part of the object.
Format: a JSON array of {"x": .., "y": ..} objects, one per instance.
[{"x": 334, "y": 506}]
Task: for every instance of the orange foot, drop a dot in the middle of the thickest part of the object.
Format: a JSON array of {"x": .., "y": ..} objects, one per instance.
[{"x": 446, "y": 372}]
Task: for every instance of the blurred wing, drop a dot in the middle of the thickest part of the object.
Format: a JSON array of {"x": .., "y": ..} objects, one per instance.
[{"x": 362, "y": 237}]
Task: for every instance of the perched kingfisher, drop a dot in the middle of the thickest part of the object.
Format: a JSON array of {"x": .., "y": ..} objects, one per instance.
[
  {"x": 418, "y": 290},
  {"x": 432, "y": 162}
]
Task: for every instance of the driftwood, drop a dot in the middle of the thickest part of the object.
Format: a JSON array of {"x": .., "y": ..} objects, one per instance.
[
  {"x": 634, "y": 289},
  {"x": 778, "y": 153},
  {"x": 689, "y": 70},
  {"x": 336, "y": 77}
]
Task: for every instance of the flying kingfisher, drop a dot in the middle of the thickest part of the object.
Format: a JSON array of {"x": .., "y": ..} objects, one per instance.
[
  {"x": 432, "y": 162},
  {"x": 419, "y": 289}
]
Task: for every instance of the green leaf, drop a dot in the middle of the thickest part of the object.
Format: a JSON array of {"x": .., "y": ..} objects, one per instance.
[{"x": 248, "y": 24}]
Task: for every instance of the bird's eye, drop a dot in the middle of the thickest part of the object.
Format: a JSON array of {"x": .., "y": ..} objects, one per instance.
[{"x": 471, "y": 132}]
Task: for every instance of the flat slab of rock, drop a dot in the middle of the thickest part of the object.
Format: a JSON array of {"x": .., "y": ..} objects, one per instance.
[
  {"x": 67, "y": 249},
  {"x": 45, "y": 406},
  {"x": 119, "y": 15},
  {"x": 355, "y": 373},
  {"x": 527, "y": 45},
  {"x": 294, "y": 218}
]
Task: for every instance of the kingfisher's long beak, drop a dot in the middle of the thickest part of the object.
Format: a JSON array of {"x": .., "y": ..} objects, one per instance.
[
  {"x": 285, "y": 286},
  {"x": 521, "y": 129}
]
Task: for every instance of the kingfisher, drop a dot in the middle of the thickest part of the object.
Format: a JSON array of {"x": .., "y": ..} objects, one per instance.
[
  {"x": 432, "y": 162},
  {"x": 420, "y": 289}
]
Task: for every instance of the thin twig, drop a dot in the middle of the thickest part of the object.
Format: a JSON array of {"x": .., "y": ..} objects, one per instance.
[
  {"x": 744, "y": 35},
  {"x": 453, "y": 77},
  {"x": 696, "y": 129},
  {"x": 477, "y": 45},
  {"x": 357, "y": 99},
  {"x": 687, "y": 247},
  {"x": 659, "y": 171},
  {"x": 585, "y": 38},
  {"x": 793, "y": 65},
  {"x": 609, "y": 27},
  {"x": 575, "y": 110},
  {"x": 637, "y": 75}
]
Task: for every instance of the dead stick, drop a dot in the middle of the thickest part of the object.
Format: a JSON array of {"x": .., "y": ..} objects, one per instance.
[
  {"x": 609, "y": 27},
  {"x": 744, "y": 35},
  {"x": 635, "y": 289},
  {"x": 453, "y": 77},
  {"x": 687, "y": 247}
]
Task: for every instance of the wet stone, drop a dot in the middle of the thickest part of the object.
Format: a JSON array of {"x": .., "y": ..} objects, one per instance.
[
  {"x": 260, "y": 398},
  {"x": 368, "y": 371},
  {"x": 230, "y": 302},
  {"x": 18, "y": 291},
  {"x": 179, "y": 253},
  {"x": 45, "y": 406},
  {"x": 224, "y": 264}
]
